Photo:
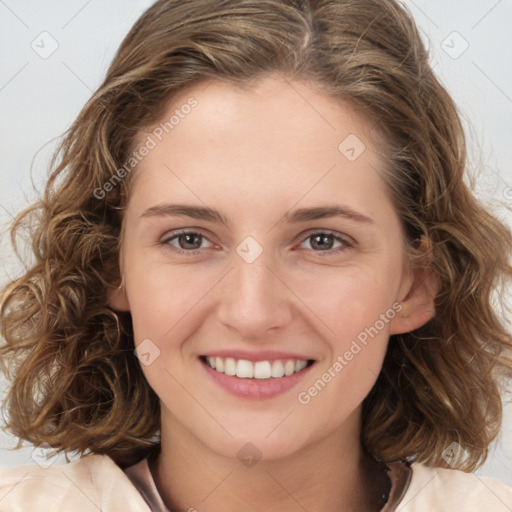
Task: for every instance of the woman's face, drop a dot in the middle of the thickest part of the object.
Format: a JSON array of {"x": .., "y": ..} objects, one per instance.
[{"x": 291, "y": 250}]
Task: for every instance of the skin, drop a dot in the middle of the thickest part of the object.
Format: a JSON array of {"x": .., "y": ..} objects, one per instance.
[{"x": 255, "y": 154}]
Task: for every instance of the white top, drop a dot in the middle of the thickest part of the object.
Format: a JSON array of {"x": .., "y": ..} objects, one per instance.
[{"x": 95, "y": 483}]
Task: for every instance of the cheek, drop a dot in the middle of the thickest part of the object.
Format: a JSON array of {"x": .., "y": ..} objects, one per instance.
[
  {"x": 341, "y": 302},
  {"x": 337, "y": 309},
  {"x": 355, "y": 312},
  {"x": 348, "y": 301},
  {"x": 160, "y": 296},
  {"x": 164, "y": 303},
  {"x": 358, "y": 313}
]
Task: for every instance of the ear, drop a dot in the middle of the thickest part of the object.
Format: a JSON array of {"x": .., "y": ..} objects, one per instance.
[
  {"x": 417, "y": 294},
  {"x": 117, "y": 296},
  {"x": 118, "y": 299}
]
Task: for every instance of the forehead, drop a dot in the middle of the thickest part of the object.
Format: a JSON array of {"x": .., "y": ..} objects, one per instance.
[
  {"x": 269, "y": 108},
  {"x": 275, "y": 137}
]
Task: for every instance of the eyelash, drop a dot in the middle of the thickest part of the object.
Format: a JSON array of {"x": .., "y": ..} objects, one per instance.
[{"x": 344, "y": 240}]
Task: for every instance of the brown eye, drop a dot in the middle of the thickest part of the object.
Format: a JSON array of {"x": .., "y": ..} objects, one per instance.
[
  {"x": 189, "y": 241},
  {"x": 322, "y": 241},
  {"x": 185, "y": 241}
]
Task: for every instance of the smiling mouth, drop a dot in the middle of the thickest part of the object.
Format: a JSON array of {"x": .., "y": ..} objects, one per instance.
[{"x": 265, "y": 369}]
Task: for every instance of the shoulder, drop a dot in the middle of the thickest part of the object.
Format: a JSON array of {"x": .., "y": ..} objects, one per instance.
[
  {"x": 92, "y": 483},
  {"x": 442, "y": 490}
]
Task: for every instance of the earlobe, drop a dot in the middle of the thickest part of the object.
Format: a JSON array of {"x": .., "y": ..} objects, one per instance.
[
  {"x": 117, "y": 298},
  {"x": 418, "y": 305}
]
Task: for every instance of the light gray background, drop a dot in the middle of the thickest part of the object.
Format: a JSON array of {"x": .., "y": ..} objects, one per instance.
[{"x": 40, "y": 97}]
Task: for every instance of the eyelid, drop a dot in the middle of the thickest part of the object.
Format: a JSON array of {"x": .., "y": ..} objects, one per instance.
[
  {"x": 174, "y": 234},
  {"x": 326, "y": 231},
  {"x": 169, "y": 235},
  {"x": 348, "y": 241}
]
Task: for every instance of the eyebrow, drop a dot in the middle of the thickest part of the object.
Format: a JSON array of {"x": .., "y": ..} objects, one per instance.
[{"x": 299, "y": 215}]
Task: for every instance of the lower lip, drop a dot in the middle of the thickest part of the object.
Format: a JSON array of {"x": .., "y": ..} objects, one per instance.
[{"x": 255, "y": 389}]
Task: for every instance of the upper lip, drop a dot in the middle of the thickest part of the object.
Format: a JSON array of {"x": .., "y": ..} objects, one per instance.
[{"x": 260, "y": 355}]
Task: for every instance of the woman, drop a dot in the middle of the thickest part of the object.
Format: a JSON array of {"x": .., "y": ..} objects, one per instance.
[{"x": 266, "y": 201}]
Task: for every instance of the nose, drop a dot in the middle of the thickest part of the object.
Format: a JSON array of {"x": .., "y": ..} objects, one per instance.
[{"x": 255, "y": 299}]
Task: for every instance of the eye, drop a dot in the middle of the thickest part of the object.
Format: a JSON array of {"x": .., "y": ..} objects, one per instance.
[
  {"x": 188, "y": 242},
  {"x": 325, "y": 242},
  {"x": 191, "y": 242}
]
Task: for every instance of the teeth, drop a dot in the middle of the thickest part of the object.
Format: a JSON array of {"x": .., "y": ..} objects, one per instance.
[
  {"x": 289, "y": 368},
  {"x": 230, "y": 366},
  {"x": 244, "y": 369},
  {"x": 277, "y": 369},
  {"x": 260, "y": 370}
]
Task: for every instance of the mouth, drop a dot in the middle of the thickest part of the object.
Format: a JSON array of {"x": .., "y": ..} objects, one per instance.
[
  {"x": 256, "y": 380},
  {"x": 257, "y": 370}
]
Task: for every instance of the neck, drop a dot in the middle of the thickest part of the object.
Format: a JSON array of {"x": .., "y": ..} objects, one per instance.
[{"x": 329, "y": 475}]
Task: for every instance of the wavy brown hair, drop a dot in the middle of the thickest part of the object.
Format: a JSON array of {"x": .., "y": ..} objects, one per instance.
[{"x": 76, "y": 383}]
